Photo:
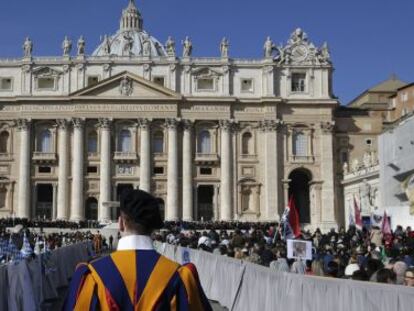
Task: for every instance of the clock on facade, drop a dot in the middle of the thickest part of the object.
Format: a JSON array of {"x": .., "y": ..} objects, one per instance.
[{"x": 299, "y": 53}]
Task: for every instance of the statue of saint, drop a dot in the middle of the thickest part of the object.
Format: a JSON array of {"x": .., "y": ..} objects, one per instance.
[
  {"x": 170, "y": 46},
  {"x": 345, "y": 168},
  {"x": 125, "y": 87},
  {"x": 367, "y": 160},
  {"x": 365, "y": 197},
  {"x": 128, "y": 44},
  {"x": 66, "y": 46},
  {"x": 268, "y": 47},
  {"x": 324, "y": 55},
  {"x": 106, "y": 45},
  {"x": 187, "y": 47},
  {"x": 27, "y": 47},
  {"x": 297, "y": 36},
  {"x": 81, "y": 46},
  {"x": 224, "y": 47},
  {"x": 146, "y": 46}
]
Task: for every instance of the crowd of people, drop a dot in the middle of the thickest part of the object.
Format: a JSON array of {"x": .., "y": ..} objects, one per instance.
[
  {"x": 15, "y": 246},
  {"x": 46, "y": 223},
  {"x": 364, "y": 255}
]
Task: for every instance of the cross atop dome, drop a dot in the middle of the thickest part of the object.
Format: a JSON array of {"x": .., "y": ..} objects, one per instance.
[{"x": 131, "y": 18}]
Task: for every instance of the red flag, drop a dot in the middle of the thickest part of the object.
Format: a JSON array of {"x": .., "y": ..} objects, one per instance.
[
  {"x": 358, "y": 219},
  {"x": 386, "y": 227},
  {"x": 294, "y": 217}
]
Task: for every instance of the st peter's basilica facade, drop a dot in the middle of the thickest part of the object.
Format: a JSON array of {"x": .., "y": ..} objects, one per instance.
[{"x": 216, "y": 138}]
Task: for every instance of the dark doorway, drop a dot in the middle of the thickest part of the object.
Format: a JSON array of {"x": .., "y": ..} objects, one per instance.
[
  {"x": 299, "y": 188},
  {"x": 44, "y": 203},
  {"x": 205, "y": 195},
  {"x": 161, "y": 204},
  {"x": 91, "y": 212}
]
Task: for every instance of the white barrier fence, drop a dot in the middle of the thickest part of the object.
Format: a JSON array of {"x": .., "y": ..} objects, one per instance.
[
  {"x": 26, "y": 285},
  {"x": 240, "y": 286}
]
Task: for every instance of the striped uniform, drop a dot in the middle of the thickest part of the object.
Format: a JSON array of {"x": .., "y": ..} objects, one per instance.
[{"x": 133, "y": 280}]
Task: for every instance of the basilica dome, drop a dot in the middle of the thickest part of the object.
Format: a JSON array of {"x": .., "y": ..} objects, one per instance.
[{"x": 131, "y": 39}]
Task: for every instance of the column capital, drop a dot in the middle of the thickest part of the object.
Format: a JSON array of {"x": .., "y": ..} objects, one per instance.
[
  {"x": 226, "y": 125},
  {"x": 172, "y": 123},
  {"x": 78, "y": 123},
  {"x": 271, "y": 125},
  {"x": 187, "y": 124},
  {"x": 144, "y": 123},
  {"x": 23, "y": 124},
  {"x": 62, "y": 124},
  {"x": 105, "y": 123}
]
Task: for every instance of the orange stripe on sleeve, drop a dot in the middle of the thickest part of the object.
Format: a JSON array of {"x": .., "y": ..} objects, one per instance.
[
  {"x": 191, "y": 287},
  {"x": 84, "y": 299}
]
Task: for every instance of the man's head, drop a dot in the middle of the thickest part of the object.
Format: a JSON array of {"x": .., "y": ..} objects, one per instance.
[
  {"x": 409, "y": 277},
  {"x": 139, "y": 213}
]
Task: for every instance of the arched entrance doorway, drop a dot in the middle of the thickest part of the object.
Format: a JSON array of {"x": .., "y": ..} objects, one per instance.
[
  {"x": 299, "y": 188},
  {"x": 91, "y": 212}
]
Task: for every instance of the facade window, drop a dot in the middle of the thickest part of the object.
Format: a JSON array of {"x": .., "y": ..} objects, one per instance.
[
  {"x": 300, "y": 144},
  {"x": 3, "y": 196},
  {"x": 298, "y": 82},
  {"x": 404, "y": 111},
  {"x": 4, "y": 142},
  {"x": 92, "y": 169},
  {"x": 204, "y": 142},
  {"x": 247, "y": 143},
  {"x": 159, "y": 80},
  {"x": 44, "y": 143},
  {"x": 6, "y": 84},
  {"x": 247, "y": 85},
  {"x": 92, "y": 142},
  {"x": 205, "y": 84},
  {"x": 404, "y": 96},
  {"x": 158, "y": 142},
  {"x": 124, "y": 141},
  {"x": 92, "y": 80},
  {"x": 44, "y": 169},
  {"x": 394, "y": 102},
  {"x": 45, "y": 83},
  {"x": 158, "y": 170},
  {"x": 206, "y": 171}
]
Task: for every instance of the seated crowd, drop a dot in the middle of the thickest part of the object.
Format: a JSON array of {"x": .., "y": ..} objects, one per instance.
[
  {"x": 46, "y": 223},
  {"x": 364, "y": 255}
]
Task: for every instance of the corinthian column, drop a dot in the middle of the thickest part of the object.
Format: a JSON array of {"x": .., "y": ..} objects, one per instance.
[
  {"x": 23, "y": 208},
  {"x": 104, "y": 213},
  {"x": 226, "y": 188},
  {"x": 172, "y": 212},
  {"x": 187, "y": 172},
  {"x": 271, "y": 179},
  {"x": 76, "y": 210},
  {"x": 145, "y": 157},
  {"x": 62, "y": 191}
]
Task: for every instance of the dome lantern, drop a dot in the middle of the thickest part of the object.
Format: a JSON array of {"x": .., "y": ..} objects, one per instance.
[{"x": 131, "y": 18}]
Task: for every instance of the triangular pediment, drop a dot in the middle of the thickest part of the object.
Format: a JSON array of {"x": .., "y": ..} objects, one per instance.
[{"x": 128, "y": 85}]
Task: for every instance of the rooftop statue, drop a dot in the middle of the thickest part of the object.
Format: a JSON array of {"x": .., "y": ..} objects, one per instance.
[
  {"x": 81, "y": 46},
  {"x": 170, "y": 46},
  {"x": 146, "y": 45},
  {"x": 224, "y": 47},
  {"x": 268, "y": 47},
  {"x": 27, "y": 47},
  {"x": 106, "y": 45},
  {"x": 66, "y": 46},
  {"x": 187, "y": 47}
]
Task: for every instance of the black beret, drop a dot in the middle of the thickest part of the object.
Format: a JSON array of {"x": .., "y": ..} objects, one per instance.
[{"x": 142, "y": 207}]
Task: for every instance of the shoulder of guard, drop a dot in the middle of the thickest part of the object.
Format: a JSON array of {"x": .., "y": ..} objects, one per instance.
[{"x": 189, "y": 268}]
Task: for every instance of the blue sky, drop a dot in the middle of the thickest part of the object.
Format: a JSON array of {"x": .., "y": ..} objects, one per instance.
[{"x": 369, "y": 39}]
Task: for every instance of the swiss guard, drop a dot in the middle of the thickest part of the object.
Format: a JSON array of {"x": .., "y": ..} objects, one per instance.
[{"x": 136, "y": 277}]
